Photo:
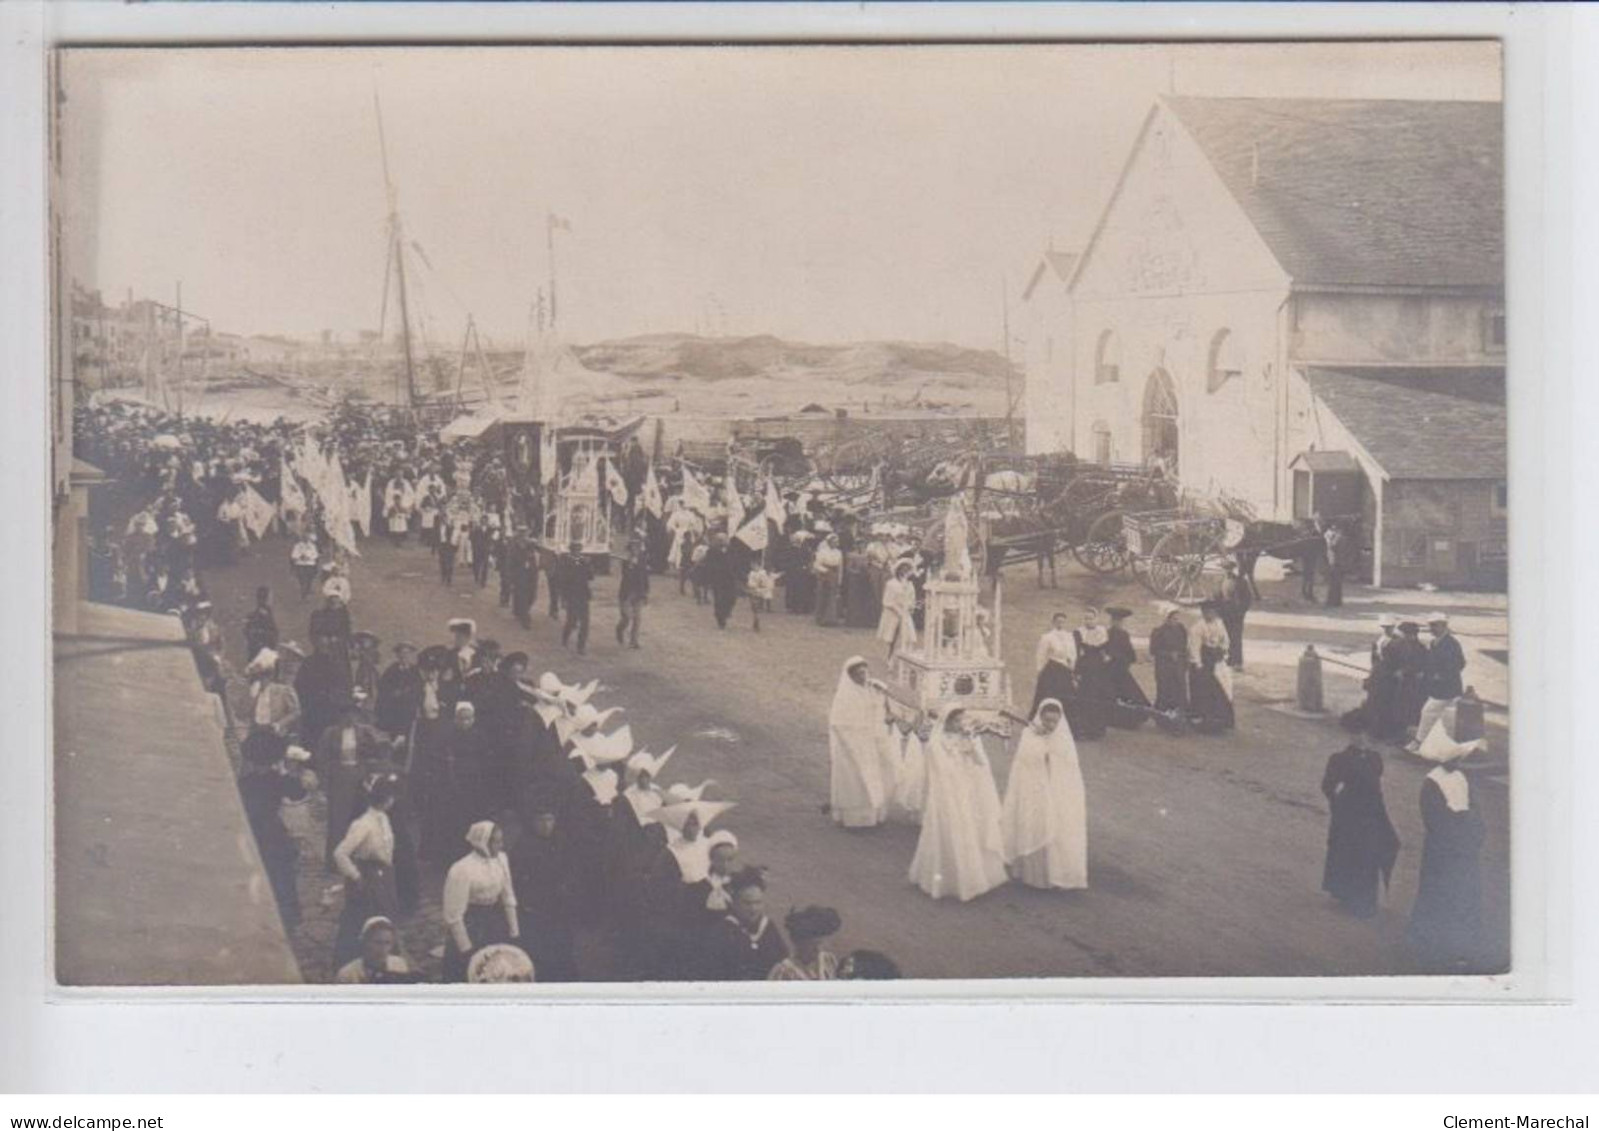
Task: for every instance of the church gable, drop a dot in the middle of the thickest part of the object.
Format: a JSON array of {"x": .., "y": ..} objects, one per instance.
[{"x": 1171, "y": 227}]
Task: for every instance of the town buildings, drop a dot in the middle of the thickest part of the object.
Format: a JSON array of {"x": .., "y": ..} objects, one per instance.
[{"x": 1299, "y": 305}]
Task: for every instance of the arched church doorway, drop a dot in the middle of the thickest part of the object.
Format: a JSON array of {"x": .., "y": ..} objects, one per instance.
[{"x": 1160, "y": 423}]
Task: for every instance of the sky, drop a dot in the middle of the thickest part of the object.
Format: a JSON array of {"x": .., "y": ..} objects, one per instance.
[{"x": 817, "y": 193}]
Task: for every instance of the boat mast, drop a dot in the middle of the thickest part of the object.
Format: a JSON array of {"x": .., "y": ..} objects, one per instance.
[{"x": 405, "y": 396}]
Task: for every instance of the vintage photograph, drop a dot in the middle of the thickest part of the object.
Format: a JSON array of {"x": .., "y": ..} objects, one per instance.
[{"x": 687, "y": 514}]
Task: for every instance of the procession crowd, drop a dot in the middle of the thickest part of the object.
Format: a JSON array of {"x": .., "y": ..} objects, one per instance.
[
  {"x": 550, "y": 833},
  {"x": 555, "y": 840}
]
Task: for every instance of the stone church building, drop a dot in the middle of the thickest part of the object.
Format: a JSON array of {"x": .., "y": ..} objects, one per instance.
[{"x": 1300, "y": 305}]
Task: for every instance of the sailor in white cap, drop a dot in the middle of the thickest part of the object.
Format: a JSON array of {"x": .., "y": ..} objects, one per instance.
[{"x": 1446, "y": 661}]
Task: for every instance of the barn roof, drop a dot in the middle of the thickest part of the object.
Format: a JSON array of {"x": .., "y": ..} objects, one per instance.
[
  {"x": 1420, "y": 424},
  {"x": 1350, "y": 193}
]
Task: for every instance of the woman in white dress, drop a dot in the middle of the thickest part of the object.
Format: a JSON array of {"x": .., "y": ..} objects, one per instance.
[
  {"x": 895, "y": 626},
  {"x": 961, "y": 850},
  {"x": 1045, "y": 819},
  {"x": 857, "y": 743}
]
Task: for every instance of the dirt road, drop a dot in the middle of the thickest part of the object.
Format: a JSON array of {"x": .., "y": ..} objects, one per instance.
[{"x": 1205, "y": 853}]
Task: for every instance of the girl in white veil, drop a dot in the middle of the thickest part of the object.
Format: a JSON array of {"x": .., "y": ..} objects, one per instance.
[
  {"x": 961, "y": 849},
  {"x": 857, "y": 741},
  {"x": 1045, "y": 819}
]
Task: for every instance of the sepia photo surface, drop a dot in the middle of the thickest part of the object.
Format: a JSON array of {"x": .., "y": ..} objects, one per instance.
[{"x": 666, "y": 515}]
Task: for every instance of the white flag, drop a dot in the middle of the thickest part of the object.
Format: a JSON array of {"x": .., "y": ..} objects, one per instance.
[
  {"x": 652, "y": 494},
  {"x": 753, "y": 533},
  {"x": 292, "y": 499},
  {"x": 775, "y": 511},
  {"x": 615, "y": 484},
  {"x": 695, "y": 496},
  {"x": 336, "y": 506},
  {"x": 258, "y": 513}
]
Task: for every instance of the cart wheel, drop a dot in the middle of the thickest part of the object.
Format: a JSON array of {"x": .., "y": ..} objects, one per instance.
[
  {"x": 1186, "y": 566},
  {"x": 1104, "y": 548}
]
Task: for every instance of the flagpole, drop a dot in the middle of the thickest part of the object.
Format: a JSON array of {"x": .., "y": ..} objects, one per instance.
[{"x": 549, "y": 242}]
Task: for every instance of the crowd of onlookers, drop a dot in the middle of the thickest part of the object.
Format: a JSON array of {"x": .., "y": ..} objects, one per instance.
[{"x": 558, "y": 851}]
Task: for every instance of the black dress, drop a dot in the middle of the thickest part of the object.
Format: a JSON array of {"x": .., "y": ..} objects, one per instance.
[
  {"x": 1212, "y": 711},
  {"x": 1055, "y": 681},
  {"x": 1446, "y": 921},
  {"x": 1361, "y": 843},
  {"x": 542, "y": 876},
  {"x": 1168, "y": 647},
  {"x": 1408, "y": 658},
  {"x": 1095, "y": 691},
  {"x": 1120, "y": 656}
]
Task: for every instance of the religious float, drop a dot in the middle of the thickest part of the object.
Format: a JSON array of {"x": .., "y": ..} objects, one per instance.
[
  {"x": 956, "y": 657},
  {"x": 588, "y": 502}
]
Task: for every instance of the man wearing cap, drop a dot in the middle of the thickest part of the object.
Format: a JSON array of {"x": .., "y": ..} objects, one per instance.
[
  {"x": 1382, "y": 685},
  {"x": 1446, "y": 660},
  {"x": 577, "y": 578},
  {"x": 1233, "y": 601},
  {"x": 399, "y": 692}
]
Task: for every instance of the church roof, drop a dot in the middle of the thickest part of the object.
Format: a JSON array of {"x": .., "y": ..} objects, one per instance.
[
  {"x": 1062, "y": 263},
  {"x": 1420, "y": 423},
  {"x": 1350, "y": 193}
]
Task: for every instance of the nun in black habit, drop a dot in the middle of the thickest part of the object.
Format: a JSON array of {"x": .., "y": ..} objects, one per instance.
[
  {"x": 1361, "y": 843},
  {"x": 1168, "y": 648},
  {"x": 1446, "y": 920}
]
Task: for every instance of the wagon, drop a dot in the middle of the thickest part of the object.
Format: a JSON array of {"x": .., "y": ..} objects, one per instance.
[{"x": 1179, "y": 554}]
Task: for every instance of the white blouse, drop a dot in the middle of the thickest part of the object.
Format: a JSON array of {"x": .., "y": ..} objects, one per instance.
[
  {"x": 476, "y": 880},
  {"x": 370, "y": 838},
  {"x": 1058, "y": 646}
]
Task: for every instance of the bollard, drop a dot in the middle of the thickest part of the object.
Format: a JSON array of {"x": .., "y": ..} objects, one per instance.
[
  {"x": 1468, "y": 717},
  {"x": 1310, "y": 681}
]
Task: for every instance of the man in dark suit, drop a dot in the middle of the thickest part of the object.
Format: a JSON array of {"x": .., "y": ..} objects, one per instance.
[
  {"x": 577, "y": 579},
  {"x": 1311, "y": 554},
  {"x": 1338, "y": 553},
  {"x": 633, "y": 594},
  {"x": 1235, "y": 597}
]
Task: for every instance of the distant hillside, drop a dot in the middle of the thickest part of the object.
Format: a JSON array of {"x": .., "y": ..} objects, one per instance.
[{"x": 780, "y": 374}]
